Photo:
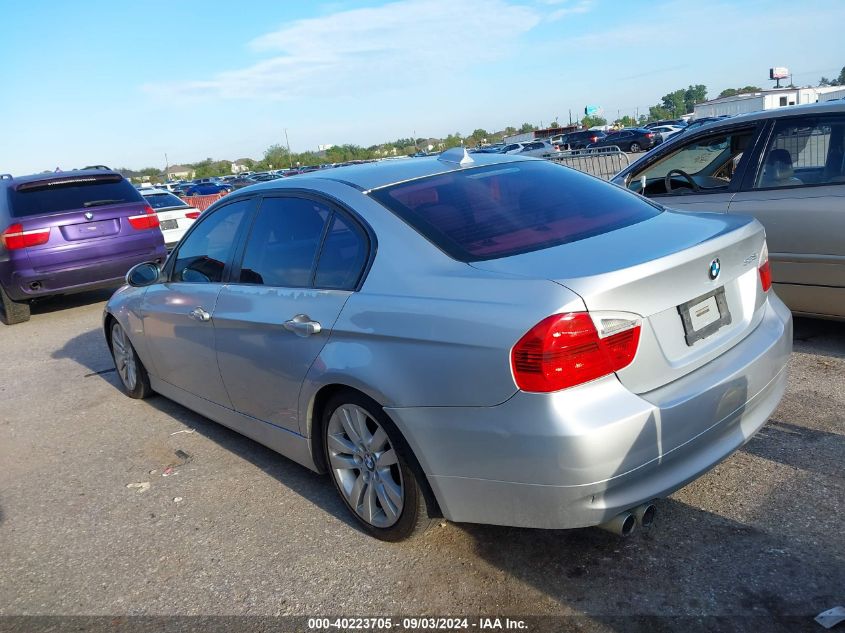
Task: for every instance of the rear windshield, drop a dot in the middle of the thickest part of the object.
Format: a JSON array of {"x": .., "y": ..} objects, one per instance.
[
  {"x": 162, "y": 200},
  {"x": 76, "y": 192},
  {"x": 512, "y": 208}
]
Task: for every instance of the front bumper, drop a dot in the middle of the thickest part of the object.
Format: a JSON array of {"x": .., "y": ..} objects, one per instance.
[{"x": 580, "y": 456}]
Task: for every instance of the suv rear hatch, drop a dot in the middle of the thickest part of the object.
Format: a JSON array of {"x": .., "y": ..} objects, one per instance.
[{"x": 82, "y": 220}]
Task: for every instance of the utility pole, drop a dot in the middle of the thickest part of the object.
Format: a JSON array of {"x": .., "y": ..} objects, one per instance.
[
  {"x": 166, "y": 166},
  {"x": 287, "y": 142}
]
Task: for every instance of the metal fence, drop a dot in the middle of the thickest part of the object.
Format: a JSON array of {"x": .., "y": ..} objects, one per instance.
[
  {"x": 202, "y": 202},
  {"x": 604, "y": 162}
]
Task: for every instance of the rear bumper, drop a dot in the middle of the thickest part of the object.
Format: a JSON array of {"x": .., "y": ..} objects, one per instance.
[
  {"x": 79, "y": 278},
  {"x": 580, "y": 456}
]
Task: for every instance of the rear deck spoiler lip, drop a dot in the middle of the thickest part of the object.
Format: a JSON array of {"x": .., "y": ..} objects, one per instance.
[{"x": 35, "y": 185}]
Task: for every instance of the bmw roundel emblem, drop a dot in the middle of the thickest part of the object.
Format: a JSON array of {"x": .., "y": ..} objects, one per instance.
[{"x": 715, "y": 268}]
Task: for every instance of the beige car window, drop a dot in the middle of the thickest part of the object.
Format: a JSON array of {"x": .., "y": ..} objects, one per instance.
[
  {"x": 711, "y": 161},
  {"x": 804, "y": 152}
]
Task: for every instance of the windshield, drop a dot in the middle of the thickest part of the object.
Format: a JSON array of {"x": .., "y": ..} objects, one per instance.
[
  {"x": 512, "y": 208},
  {"x": 70, "y": 193}
]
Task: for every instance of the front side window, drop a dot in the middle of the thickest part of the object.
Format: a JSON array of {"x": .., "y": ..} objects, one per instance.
[
  {"x": 502, "y": 210},
  {"x": 804, "y": 152},
  {"x": 203, "y": 255},
  {"x": 704, "y": 164},
  {"x": 284, "y": 242}
]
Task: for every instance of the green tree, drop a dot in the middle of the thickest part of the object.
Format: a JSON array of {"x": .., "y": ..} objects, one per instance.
[
  {"x": 527, "y": 127},
  {"x": 730, "y": 92},
  {"x": 626, "y": 121},
  {"x": 694, "y": 94},
  {"x": 453, "y": 140},
  {"x": 276, "y": 155},
  {"x": 593, "y": 121}
]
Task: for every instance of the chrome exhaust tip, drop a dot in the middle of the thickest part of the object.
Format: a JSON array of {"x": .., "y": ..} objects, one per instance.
[
  {"x": 645, "y": 515},
  {"x": 622, "y": 524}
]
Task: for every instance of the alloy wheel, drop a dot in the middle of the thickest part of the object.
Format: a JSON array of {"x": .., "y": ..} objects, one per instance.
[
  {"x": 365, "y": 466},
  {"x": 124, "y": 357}
]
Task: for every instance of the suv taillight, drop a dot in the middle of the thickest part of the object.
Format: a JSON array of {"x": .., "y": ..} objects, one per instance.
[
  {"x": 14, "y": 237},
  {"x": 147, "y": 220},
  {"x": 565, "y": 350},
  {"x": 765, "y": 269}
]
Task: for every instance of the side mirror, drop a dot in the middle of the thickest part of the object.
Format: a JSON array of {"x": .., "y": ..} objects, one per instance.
[{"x": 144, "y": 274}]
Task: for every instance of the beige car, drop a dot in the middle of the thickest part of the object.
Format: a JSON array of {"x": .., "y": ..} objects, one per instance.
[{"x": 785, "y": 167}]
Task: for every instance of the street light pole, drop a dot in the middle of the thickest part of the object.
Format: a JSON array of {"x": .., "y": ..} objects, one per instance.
[{"x": 287, "y": 142}]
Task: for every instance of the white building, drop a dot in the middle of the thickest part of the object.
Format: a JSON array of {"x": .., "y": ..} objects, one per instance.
[
  {"x": 763, "y": 100},
  {"x": 838, "y": 92}
]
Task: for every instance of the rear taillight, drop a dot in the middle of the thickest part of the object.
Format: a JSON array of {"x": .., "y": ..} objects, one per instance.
[
  {"x": 147, "y": 220},
  {"x": 765, "y": 269},
  {"x": 192, "y": 215},
  {"x": 565, "y": 350},
  {"x": 14, "y": 237},
  {"x": 650, "y": 135}
]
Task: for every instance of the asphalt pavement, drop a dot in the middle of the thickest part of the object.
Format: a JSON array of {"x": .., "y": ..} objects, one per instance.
[{"x": 111, "y": 506}]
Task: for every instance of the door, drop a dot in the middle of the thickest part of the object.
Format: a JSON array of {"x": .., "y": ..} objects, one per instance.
[
  {"x": 798, "y": 194},
  {"x": 302, "y": 260},
  {"x": 177, "y": 314},
  {"x": 701, "y": 174}
]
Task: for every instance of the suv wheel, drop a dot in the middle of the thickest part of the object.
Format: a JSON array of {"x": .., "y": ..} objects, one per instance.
[
  {"x": 370, "y": 466},
  {"x": 635, "y": 147},
  {"x": 13, "y": 311}
]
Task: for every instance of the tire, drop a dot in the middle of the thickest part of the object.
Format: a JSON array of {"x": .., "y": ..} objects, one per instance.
[
  {"x": 13, "y": 311},
  {"x": 372, "y": 468},
  {"x": 130, "y": 370},
  {"x": 635, "y": 147}
]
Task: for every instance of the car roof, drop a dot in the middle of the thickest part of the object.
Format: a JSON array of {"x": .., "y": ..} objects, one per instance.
[
  {"x": 383, "y": 173},
  {"x": 150, "y": 190},
  {"x": 823, "y": 107}
]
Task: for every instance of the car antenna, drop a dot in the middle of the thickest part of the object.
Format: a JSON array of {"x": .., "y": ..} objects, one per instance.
[{"x": 457, "y": 156}]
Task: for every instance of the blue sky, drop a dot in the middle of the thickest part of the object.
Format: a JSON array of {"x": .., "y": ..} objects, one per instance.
[{"x": 123, "y": 83}]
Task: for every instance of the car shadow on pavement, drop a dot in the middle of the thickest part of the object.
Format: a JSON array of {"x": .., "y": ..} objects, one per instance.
[
  {"x": 91, "y": 351},
  {"x": 306, "y": 483},
  {"x": 693, "y": 563},
  {"x": 64, "y": 302},
  {"x": 799, "y": 447},
  {"x": 819, "y": 337}
]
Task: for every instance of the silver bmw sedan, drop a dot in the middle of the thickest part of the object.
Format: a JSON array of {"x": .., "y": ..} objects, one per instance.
[{"x": 486, "y": 338}]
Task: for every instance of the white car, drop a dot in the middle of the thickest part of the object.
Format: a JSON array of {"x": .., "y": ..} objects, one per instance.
[
  {"x": 667, "y": 131},
  {"x": 174, "y": 214}
]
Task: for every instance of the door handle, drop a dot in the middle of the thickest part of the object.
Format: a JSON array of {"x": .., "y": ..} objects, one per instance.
[
  {"x": 302, "y": 325},
  {"x": 199, "y": 314}
]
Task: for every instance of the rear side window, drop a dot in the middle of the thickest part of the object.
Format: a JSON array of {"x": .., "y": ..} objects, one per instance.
[
  {"x": 54, "y": 195},
  {"x": 342, "y": 257},
  {"x": 512, "y": 208}
]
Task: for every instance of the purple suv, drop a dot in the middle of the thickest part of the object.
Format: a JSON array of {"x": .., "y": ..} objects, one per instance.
[{"x": 70, "y": 231}]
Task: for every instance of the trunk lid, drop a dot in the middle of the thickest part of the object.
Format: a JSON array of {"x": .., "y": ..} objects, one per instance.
[{"x": 652, "y": 268}]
